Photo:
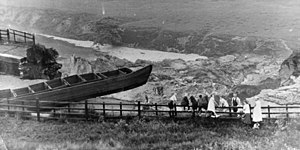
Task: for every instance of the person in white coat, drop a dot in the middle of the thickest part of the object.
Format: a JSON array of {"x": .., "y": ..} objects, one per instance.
[
  {"x": 211, "y": 108},
  {"x": 257, "y": 114}
]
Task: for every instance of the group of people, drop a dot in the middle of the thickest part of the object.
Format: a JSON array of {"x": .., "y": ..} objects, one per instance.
[{"x": 208, "y": 104}]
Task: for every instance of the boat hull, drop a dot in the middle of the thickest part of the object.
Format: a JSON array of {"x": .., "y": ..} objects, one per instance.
[{"x": 85, "y": 91}]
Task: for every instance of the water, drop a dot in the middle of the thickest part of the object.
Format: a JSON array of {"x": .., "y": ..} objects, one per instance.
[{"x": 131, "y": 54}]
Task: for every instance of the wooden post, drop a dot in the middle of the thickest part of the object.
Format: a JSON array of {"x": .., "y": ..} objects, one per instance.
[
  {"x": 69, "y": 110},
  {"x": 230, "y": 115},
  {"x": 103, "y": 108},
  {"x": 86, "y": 110},
  {"x": 156, "y": 110},
  {"x": 175, "y": 109},
  {"x": 25, "y": 37},
  {"x": 0, "y": 34},
  {"x": 38, "y": 109},
  {"x": 120, "y": 109},
  {"x": 33, "y": 39},
  {"x": 14, "y": 36},
  {"x": 7, "y": 32},
  {"x": 287, "y": 111},
  {"x": 8, "y": 104},
  {"x": 269, "y": 113},
  {"x": 23, "y": 106},
  {"x": 139, "y": 109}
]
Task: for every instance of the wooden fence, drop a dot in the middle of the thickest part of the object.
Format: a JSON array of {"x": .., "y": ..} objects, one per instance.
[
  {"x": 12, "y": 35},
  {"x": 94, "y": 110}
]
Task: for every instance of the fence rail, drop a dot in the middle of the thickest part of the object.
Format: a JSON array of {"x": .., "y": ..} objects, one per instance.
[
  {"x": 92, "y": 110},
  {"x": 12, "y": 35}
]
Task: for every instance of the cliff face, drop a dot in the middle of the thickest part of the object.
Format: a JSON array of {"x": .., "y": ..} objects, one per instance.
[
  {"x": 80, "y": 26},
  {"x": 247, "y": 64}
]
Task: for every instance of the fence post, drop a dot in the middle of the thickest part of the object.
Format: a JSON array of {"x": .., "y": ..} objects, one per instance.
[
  {"x": 120, "y": 109},
  {"x": 230, "y": 115},
  {"x": 86, "y": 110},
  {"x": 175, "y": 109},
  {"x": 23, "y": 106},
  {"x": 287, "y": 111},
  {"x": 33, "y": 39},
  {"x": 38, "y": 109},
  {"x": 69, "y": 108},
  {"x": 269, "y": 113},
  {"x": 14, "y": 35},
  {"x": 0, "y": 35},
  {"x": 139, "y": 109},
  {"x": 156, "y": 110},
  {"x": 7, "y": 32},
  {"x": 8, "y": 104},
  {"x": 103, "y": 108},
  {"x": 25, "y": 37}
]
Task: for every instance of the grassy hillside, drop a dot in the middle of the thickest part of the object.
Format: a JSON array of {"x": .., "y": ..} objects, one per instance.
[{"x": 149, "y": 134}]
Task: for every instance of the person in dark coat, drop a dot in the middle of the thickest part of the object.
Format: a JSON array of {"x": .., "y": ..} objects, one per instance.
[
  {"x": 194, "y": 104},
  {"x": 171, "y": 107},
  {"x": 185, "y": 102},
  {"x": 203, "y": 102}
]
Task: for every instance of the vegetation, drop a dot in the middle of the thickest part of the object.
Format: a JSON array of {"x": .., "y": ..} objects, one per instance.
[
  {"x": 149, "y": 134},
  {"x": 107, "y": 31}
]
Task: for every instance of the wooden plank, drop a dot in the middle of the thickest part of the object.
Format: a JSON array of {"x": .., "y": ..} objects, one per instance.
[
  {"x": 102, "y": 75},
  {"x": 48, "y": 86},
  {"x": 31, "y": 90},
  {"x": 122, "y": 72},
  {"x": 65, "y": 82},
  {"x": 13, "y": 93},
  {"x": 81, "y": 78},
  {"x": 97, "y": 76}
]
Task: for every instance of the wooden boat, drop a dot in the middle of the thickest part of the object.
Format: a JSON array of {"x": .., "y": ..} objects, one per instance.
[{"x": 77, "y": 87}]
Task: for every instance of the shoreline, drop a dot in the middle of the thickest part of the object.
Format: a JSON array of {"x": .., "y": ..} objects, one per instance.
[{"x": 131, "y": 54}]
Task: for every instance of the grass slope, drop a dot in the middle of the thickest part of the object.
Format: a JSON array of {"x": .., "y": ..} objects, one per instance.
[{"x": 148, "y": 134}]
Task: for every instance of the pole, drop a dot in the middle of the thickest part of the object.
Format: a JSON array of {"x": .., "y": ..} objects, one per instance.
[
  {"x": 269, "y": 114},
  {"x": 86, "y": 110},
  {"x": 230, "y": 112},
  {"x": 120, "y": 109},
  {"x": 8, "y": 104},
  {"x": 38, "y": 109},
  {"x": 69, "y": 108},
  {"x": 25, "y": 37},
  {"x": 156, "y": 110},
  {"x": 14, "y": 36},
  {"x": 139, "y": 109},
  {"x": 33, "y": 39},
  {"x": 103, "y": 110},
  {"x": 175, "y": 109},
  {"x": 287, "y": 111},
  {"x": 7, "y": 32},
  {"x": 23, "y": 106}
]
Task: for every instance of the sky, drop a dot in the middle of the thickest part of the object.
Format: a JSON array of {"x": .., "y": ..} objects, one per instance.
[{"x": 70, "y": 5}]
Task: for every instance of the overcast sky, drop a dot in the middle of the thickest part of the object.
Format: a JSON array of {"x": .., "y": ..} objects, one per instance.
[{"x": 74, "y": 5}]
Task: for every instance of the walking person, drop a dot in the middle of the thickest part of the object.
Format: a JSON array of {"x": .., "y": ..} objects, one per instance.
[
  {"x": 172, "y": 105},
  {"x": 235, "y": 102},
  {"x": 246, "y": 118},
  {"x": 211, "y": 108},
  {"x": 194, "y": 104},
  {"x": 257, "y": 114}
]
